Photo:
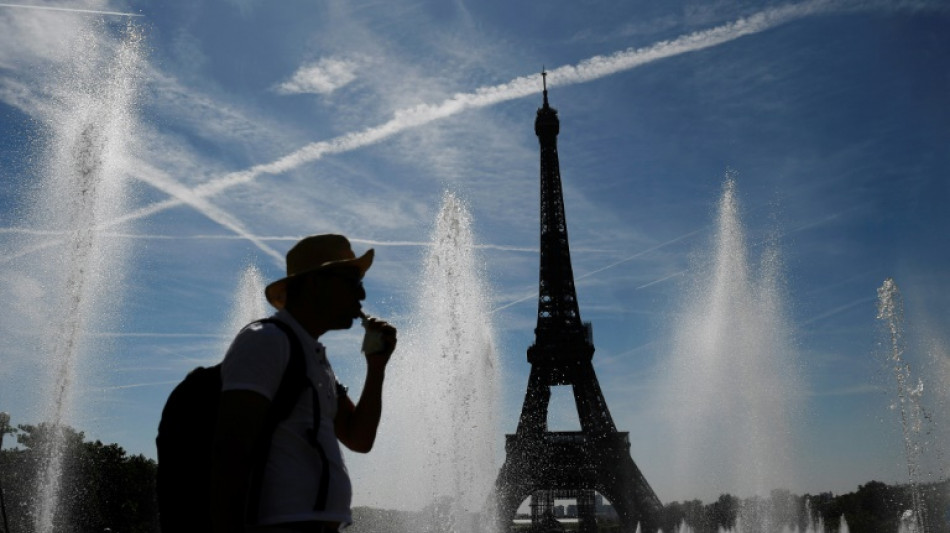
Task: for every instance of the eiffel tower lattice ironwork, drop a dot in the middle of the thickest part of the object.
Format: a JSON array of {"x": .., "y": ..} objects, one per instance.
[{"x": 547, "y": 465}]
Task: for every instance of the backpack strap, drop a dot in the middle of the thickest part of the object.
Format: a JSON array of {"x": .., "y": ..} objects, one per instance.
[
  {"x": 295, "y": 379},
  {"x": 292, "y": 385},
  {"x": 323, "y": 488}
]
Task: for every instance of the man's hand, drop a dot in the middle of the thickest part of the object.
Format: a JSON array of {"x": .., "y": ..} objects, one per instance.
[
  {"x": 356, "y": 425},
  {"x": 379, "y": 341}
]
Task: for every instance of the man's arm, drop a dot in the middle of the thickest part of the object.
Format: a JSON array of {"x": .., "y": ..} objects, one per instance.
[
  {"x": 241, "y": 415},
  {"x": 356, "y": 425}
]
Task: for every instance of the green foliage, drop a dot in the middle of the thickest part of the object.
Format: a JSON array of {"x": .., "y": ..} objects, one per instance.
[{"x": 103, "y": 487}]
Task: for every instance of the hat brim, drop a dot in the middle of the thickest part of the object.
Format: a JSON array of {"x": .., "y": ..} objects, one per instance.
[{"x": 276, "y": 292}]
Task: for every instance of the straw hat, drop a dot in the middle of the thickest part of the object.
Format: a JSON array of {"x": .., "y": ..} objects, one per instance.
[{"x": 314, "y": 253}]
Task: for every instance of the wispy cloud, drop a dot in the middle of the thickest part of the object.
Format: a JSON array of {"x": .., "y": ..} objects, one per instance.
[
  {"x": 34, "y": 36},
  {"x": 416, "y": 116},
  {"x": 73, "y": 10},
  {"x": 323, "y": 77},
  {"x": 328, "y": 74},
  {"x": 234, "y": 237},
  {"x": 210, "y": 113}
]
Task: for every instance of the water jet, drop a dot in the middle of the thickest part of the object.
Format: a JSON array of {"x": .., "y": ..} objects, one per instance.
[{"x": 90, "y": 135}]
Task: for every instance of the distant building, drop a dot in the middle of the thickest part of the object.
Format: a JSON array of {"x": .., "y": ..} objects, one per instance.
[{"x": 604, "y": 510}]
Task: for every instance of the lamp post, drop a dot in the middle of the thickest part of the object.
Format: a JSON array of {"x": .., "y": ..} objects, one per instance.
[{"x": 4, "y": 424}]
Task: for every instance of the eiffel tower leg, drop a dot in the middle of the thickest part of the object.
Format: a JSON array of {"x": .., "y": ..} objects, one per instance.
[
  {"x": 511, "y": 488},
  {"x": 534, "y": 414},
  {"x": 621, "y": 482},
  {"x": 592, "y": 409}
]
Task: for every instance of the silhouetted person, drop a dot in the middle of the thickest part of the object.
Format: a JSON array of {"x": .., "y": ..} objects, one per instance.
[{"x": 304, "y": 486}]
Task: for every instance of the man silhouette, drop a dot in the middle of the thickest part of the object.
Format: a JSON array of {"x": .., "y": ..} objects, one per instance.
[{"x": 304, "y": 485}]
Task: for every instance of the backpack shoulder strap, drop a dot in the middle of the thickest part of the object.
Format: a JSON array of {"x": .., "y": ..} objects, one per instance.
[{"x": 294, "y": 380}]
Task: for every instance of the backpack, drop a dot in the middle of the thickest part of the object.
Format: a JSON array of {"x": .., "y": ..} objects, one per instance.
[{"x": 186, "y": 434}]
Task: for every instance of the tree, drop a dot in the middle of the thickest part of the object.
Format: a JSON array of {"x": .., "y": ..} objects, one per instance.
[
  {"x": 723, "y": 512},
  {"x": 102, "y": 487}
]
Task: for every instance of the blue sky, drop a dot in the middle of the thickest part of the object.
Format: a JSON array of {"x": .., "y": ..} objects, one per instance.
[{"x": 241, "y": 126}]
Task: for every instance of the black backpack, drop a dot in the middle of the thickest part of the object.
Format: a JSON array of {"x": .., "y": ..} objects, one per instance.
[{"x": 186, "y": 435}]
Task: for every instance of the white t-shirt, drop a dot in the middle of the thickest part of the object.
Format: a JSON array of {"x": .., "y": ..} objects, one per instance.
[{"x": 255, "y": 362}]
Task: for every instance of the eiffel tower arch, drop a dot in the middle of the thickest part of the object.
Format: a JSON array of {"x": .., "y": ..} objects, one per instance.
[{"x": 545, "y": 465}]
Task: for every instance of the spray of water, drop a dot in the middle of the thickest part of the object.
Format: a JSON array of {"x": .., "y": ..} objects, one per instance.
[
  {"x": 444, "y": 391},
  {"x": 732, "y": 380},
  {"x": 891, "y": 312},
  {"x": 814, "y": 523},
  {"x": 90, "y": 131},
  {"x": 249, "y": 303}
]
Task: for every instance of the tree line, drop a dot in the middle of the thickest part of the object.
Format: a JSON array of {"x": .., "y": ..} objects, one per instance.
[
  {"x": 875, "y": 507},
  {"x": 103, "y": 488},
  {"x": 106, "y": 489}
]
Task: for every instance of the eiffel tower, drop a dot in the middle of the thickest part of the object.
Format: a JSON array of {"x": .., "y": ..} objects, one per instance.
[{"x": 548, "y": 465}]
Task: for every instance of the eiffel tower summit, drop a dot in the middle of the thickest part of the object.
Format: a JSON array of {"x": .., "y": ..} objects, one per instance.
[{"x": 546, "y": 465}]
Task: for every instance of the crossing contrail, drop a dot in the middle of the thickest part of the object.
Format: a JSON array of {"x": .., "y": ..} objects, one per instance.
[
  {"x": 74, "y": 10},
  {"x": 612, "y": 265},
  {"x": 588, "y": 70}
]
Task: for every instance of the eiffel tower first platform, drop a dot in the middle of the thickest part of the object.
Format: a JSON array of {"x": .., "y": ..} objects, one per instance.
[{"x": 548, "y": 465}]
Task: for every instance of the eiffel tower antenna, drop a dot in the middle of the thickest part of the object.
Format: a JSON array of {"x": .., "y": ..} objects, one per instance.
[
  {"x": 545, "y": 465},
  {"x": 544, "y": 81}
]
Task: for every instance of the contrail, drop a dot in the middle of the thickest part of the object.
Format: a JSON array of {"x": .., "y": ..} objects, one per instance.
[
  {"x": 138, "y": 385},
  {"x": 74, "y": 10},
  {"x": 183, "y": 195},
  {"x": 837, "y": 310},
  {"x": 534, "y": 294},
  {"x": 113, "y": 334},
  {"x": 850, "y": 391},
  {"x": 165, "y": 183},
  {"x": 638, "y": 254},
  {"x": 588, "y": 70},
  {"x": 661, "y": 280}
]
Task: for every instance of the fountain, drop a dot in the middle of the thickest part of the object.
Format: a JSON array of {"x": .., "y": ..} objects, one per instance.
[
  {"x": 249, "y": 304},
  {"x": 732, "y": 382},
  {"x": 441, "y": 404},
  {"x": 891, "y": 312},
  {"x": 89, "y": 133}
]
